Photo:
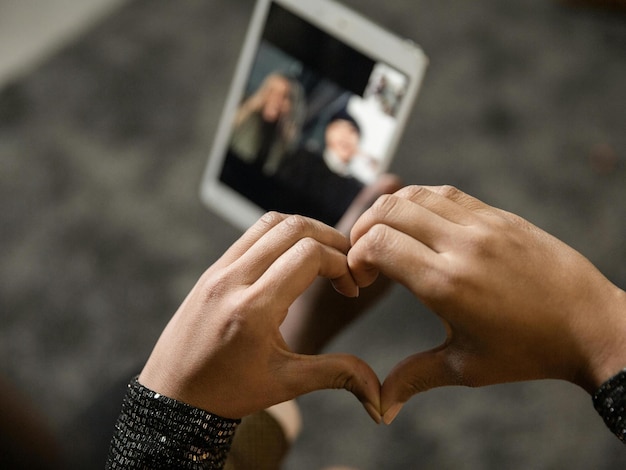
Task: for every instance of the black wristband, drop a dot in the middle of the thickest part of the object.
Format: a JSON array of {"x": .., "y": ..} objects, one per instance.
[
  {"x": 610, "y": 402},
  {"x": 157, "y": 432}
]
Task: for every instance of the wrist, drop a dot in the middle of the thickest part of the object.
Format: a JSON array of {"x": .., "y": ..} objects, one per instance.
[
  {"x": 608, "y": 343},
  {"x": 155, "y": 429},
  {"x": 610, "y": 402}
]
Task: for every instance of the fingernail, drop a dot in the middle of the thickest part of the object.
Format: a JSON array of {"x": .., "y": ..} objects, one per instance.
[
  {"x": 373, "y": 412},
  {"x": 391, "y": 413}
]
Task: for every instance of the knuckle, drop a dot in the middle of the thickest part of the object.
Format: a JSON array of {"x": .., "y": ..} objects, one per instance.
[
  {"x": 376, "y": 239},
  {"x": 307, "y": 244},
  {"x": 271, "y": 218},
  {"x": 307, "y": 247},
  {"x": 216, "y": 287},
  {"x": 266, "y": 222},
  {"x": 212, "y": 281},
  {"x": 448, "y": 191},
  {"x": 483, "y": 241},
  {"x": 411, "y": 192},
  {"x": 383, "y": 205},
  {"x": 346, "y": 377},
  {"x": 478, "y": 240},
  {"x": 297, "y": 224},
  {"x": 508, "y": 220},
  {"x": 344, "y": 380}
]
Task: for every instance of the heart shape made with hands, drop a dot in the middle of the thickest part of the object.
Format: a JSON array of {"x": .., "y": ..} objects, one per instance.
[{"x": 460, "y": 257}]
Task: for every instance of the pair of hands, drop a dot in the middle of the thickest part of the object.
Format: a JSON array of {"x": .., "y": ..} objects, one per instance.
[{"x": 517, "y": 304}]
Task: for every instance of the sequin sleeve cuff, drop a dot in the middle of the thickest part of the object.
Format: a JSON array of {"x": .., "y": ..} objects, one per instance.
[
  {"x": 157, "y": 432},
  {"x": 610, "y": 402}
]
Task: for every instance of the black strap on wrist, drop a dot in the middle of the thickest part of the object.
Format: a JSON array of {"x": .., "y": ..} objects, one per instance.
[{"x": 610, "y": 402}]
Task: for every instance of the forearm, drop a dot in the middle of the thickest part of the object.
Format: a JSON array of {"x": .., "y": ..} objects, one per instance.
[{"x": 155, "y": 432}]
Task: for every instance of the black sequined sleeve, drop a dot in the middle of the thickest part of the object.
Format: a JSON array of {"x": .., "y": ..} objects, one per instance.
[
  {"x": 157, "y": 432},
  {"x": 610, "y": 402}
]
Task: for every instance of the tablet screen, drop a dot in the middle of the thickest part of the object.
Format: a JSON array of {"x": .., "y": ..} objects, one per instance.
[{"x": 315, "y": 122}]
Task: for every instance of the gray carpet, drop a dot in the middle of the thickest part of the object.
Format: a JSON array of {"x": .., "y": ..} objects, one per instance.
[{"x": 102, "y": 232}]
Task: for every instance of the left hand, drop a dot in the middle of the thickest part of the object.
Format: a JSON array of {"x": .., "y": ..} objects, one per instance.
[
  {"x": 517, "y": 303},
  {"x": 223, "y": 351}
]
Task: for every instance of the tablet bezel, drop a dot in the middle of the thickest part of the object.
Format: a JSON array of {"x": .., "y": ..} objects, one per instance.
[{"x": 349, "y": 27}]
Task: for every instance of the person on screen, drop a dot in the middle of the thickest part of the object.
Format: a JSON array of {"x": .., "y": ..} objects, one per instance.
[
  {"x": 342, "y": 138},
  {"x": 321, "y": 184},
  {"x": 267, "y": 124},
  {"x": 343, "y": 153}
]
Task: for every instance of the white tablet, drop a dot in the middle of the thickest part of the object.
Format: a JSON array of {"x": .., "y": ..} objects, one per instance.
[{"x": 316, "y": 108}]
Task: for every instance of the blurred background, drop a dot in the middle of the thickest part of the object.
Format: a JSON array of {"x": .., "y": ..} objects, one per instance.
[{"x": 107, "y": 112}]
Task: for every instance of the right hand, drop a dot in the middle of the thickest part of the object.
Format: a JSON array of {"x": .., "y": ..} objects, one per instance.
[{"x": 517, "y": 303}]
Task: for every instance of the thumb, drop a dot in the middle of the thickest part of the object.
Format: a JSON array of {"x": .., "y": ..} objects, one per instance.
[
  {"x": 415, "y": 374},
  {"x": 335, "y": 371}
]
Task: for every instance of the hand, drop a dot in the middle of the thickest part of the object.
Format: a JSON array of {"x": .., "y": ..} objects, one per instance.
[
  {"x": 222, "y": 351},
  {"x": 517, "y": 303},
  {"x": 319, "y": 313}
]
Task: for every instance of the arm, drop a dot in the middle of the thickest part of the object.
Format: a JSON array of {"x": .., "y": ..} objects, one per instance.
[
  {"x": 222, "y": 353},
  {"x": 517, "y": 303}
]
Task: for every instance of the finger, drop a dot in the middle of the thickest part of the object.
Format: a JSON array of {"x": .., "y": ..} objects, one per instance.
[
  {"x": 406, "y": 216},
  {"x": 250, "y": 237},
  {"x": 445, "y": 201},
  {"x": 472, "y": 204},
  {"x": 306, "y": 374},
  {"x": 385, "y": 184},
  {"x": 460, "y": 198},
  {"x": 399, "y": 256},
  {"x": 415, "y": 374},
  {"x": 293, "y": 272},
  {"x": 278, "y": 239}
]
